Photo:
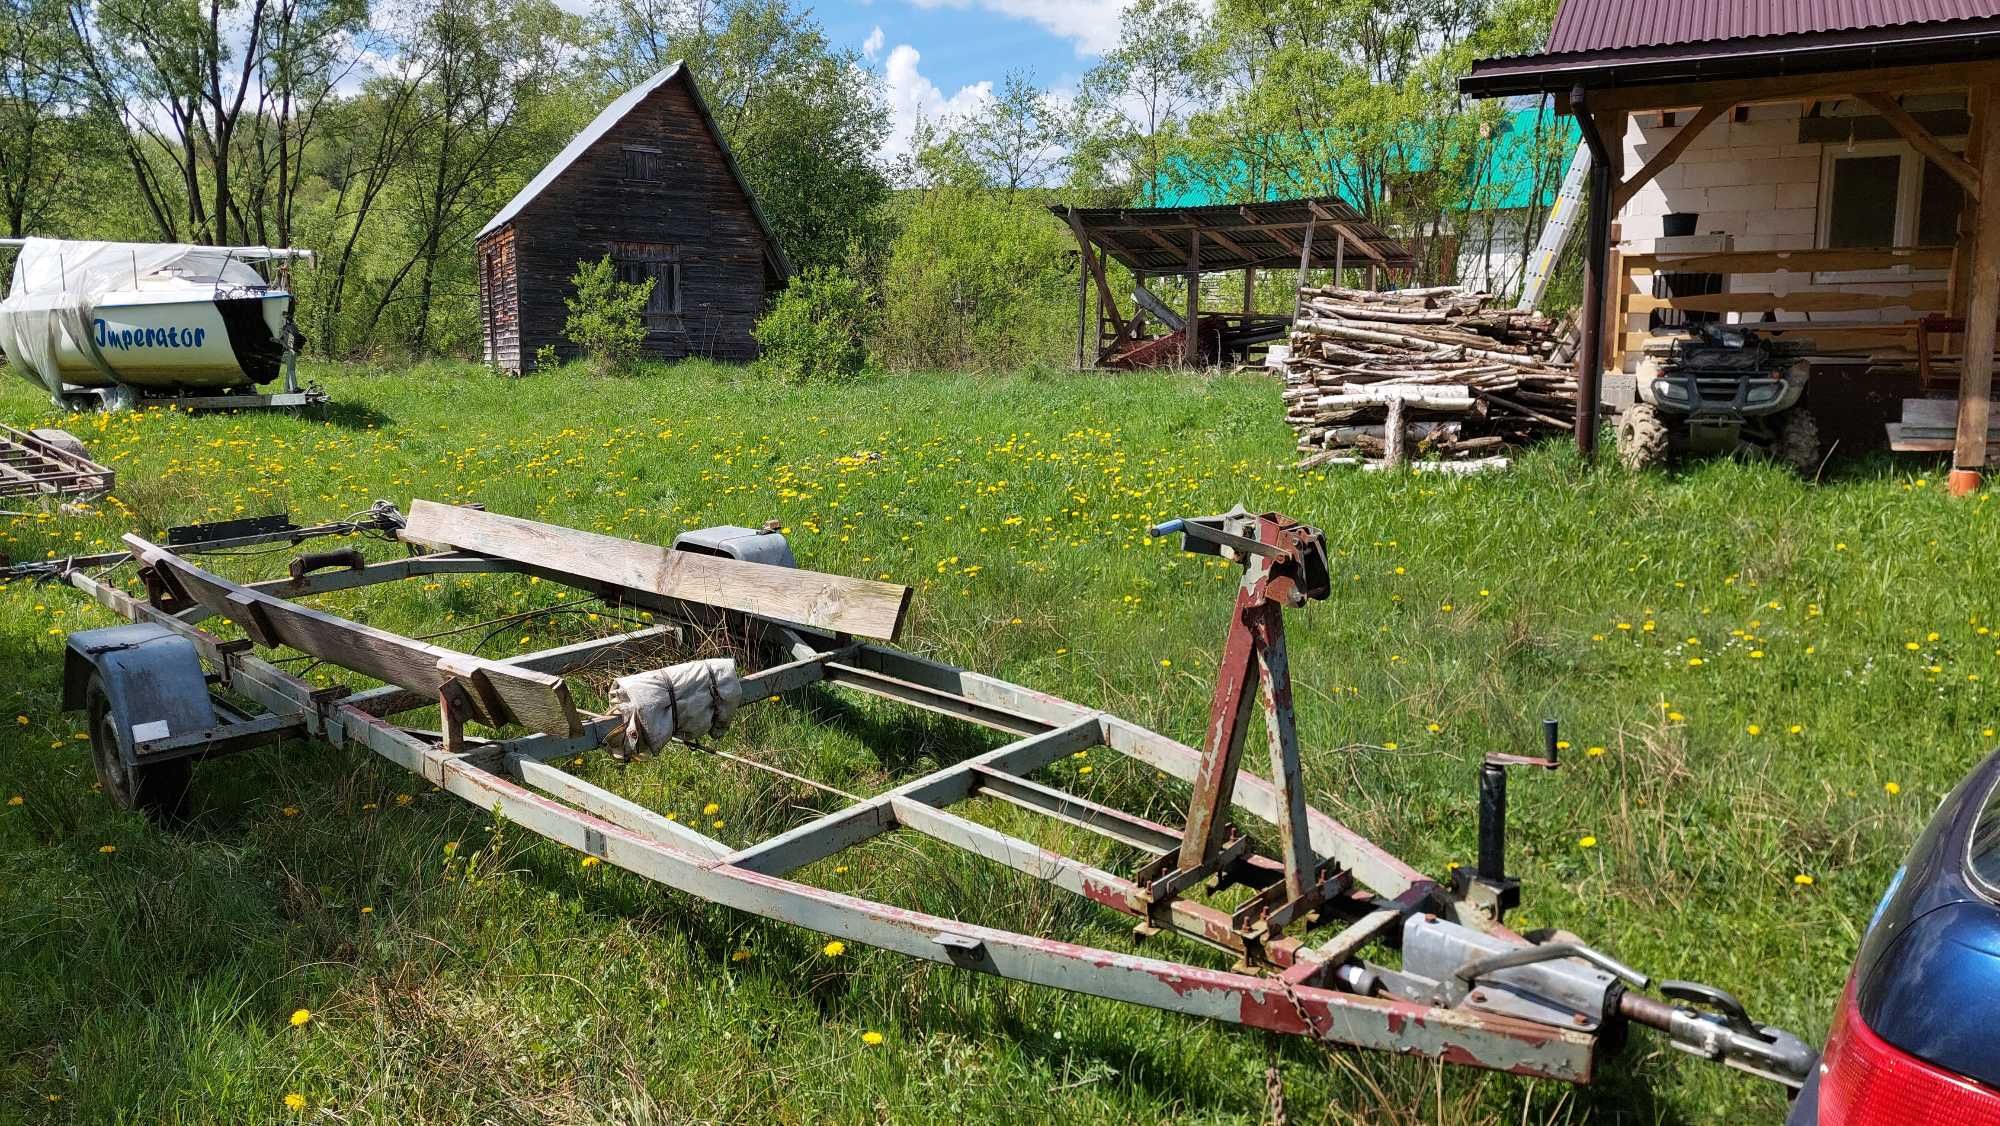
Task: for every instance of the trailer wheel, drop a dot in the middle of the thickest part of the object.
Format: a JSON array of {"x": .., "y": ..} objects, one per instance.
[{"x": 158, "y": 790}]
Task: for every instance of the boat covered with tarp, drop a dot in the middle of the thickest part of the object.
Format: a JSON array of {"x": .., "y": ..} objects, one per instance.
[{"x": 153, "y": 316}]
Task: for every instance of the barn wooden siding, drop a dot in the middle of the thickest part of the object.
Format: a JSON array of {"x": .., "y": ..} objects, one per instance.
[
  {"x": 696, "y": 214},
  {"x": 500, "y": 300}
]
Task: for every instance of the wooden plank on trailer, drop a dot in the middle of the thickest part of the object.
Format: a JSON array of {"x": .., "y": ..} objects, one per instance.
[
  {"x": 863, "y": 607},
  {"x": 531, "y": 699}
]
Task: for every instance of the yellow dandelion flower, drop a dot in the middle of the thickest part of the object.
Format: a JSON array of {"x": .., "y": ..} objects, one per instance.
[
  {"x": 1911, "y": 646},
  {"x": 834, "y": 949},
  {"x": 1586, "y": 842},
  {"x": 22, "y": 720},
  {"x": 1166, "y": 664},
  {"x": 1083, "y": 770},
  {"x": 717, "y": 823},
  {"x": 107, "y": 849},
  {"x": 1803, "y": 880},
  {"x": 710, "y": 810},
  {"x": 871, "y": 1038},
  {"x": 589, "y": 862},
  {"x": 294, "y": 1101},
  {"x": 1593, "y": 752},
  {"x": 1695, "y": 662},
  {"x": 16, "y": 800},
  {"x": 1891, "y": 789},
  {"x": 300, "y": 1017},
  {"x": 740, "y": 956}
]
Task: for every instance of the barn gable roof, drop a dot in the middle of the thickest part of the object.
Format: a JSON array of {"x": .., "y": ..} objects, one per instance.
[{"x": 603, "y": 123}]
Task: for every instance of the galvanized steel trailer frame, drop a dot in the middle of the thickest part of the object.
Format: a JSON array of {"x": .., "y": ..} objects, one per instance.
[{"x": 1490, "y": 998}]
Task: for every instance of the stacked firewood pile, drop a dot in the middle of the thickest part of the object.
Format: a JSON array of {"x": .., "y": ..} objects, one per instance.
[{"x": 1420, "y": 373}]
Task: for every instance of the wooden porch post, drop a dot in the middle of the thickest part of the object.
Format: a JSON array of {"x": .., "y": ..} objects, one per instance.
[
  {"x": 1249, "y": 290},
  {"x": 1339, "y": 257},
  {"x": 1191, "y": 331},
  {"x": 1975, "y": 381}
]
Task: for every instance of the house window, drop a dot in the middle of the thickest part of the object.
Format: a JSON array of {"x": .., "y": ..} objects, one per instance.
[
  {"x": 638, "y": 262},
  {"x": 1887, "y": 194},
  {"x": 641, "y": 163}
]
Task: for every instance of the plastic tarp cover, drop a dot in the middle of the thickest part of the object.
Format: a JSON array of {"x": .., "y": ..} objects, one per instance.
[
  {"x": 684, "y": 701},
  {"x": 58, "y": 282}
]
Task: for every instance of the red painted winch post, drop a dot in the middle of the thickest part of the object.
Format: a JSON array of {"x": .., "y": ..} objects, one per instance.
[{"x": 1283, "y": 564}]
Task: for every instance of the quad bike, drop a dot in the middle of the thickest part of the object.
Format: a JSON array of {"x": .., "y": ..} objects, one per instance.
[{"x": 1717, "y": 389}]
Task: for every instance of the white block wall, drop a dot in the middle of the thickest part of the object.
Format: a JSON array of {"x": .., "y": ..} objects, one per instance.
[{"x": 1750, "y": 179}]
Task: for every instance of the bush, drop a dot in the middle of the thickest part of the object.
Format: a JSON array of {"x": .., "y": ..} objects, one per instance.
[
  {"x": 606, "y": 316},
  {"x": 816, "y": 329},
  {"x": 978, "y": 280}
]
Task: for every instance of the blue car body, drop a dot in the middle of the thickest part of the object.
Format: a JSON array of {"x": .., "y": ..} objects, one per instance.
[{"x": 1927, "y": 979}]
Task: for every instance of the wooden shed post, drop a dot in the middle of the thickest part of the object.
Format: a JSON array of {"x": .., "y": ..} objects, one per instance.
[
  {"x": 1975, "y": 381},
  {"x": 1249, "y": 290},
  {"x": 1191, "y": 331},
  {"x": 1305, "y": 259},
  {"x": 1339, "y": 257},
  {"x": 1082, "y": 299}
]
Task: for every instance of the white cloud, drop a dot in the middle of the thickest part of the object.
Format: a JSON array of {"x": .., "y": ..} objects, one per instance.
[
  {"x": 872, "y": 46},
  {"x": 912, "y": 97},
  {"x": 1092, "y": 25}
]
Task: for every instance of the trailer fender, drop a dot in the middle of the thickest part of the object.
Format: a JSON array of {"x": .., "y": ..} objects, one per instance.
[
  {"x": 151, "y": 675},
  {"x": 750, "y": 545}
]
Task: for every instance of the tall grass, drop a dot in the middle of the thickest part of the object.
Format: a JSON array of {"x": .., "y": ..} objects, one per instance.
[{"x": 1757, "y": 659}]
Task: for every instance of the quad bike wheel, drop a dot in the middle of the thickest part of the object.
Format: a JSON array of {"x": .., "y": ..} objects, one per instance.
[
  {"x": 159, "y": 790},
  {"x": 1642, "y": 437},
  {"x": 1798, "y": 441}
]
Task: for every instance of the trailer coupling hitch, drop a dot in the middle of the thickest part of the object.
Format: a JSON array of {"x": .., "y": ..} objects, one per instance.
[{"x": 1712, "y": 1024}]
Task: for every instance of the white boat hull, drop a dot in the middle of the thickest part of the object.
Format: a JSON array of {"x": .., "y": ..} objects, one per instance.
[{"x": 166, "y": 344}]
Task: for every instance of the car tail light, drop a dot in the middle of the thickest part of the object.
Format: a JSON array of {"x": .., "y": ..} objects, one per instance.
[{"x": 1867, "y": 1081}]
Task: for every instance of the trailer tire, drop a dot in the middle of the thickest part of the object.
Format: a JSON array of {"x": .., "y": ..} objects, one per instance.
[
  {"x": 1642, "y": 437},
  {"x": 159, "y": 790}
]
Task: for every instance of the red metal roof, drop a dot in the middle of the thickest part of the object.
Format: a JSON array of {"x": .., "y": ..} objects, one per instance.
[{"x": 1610, "y": 25}]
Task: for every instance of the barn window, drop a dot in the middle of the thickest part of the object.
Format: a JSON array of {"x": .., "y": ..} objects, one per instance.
[
  {"x": 636, "y": 263},
  {"x": 641, "y": 163}
]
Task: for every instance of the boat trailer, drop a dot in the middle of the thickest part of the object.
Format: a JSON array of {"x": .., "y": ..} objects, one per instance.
[{"x": 1465, "y": 989}]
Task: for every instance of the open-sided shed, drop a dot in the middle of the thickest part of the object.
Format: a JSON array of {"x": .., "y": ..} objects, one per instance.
[
  {"x": 1187, "y": 242},
  {"x": 1835, "y": 158}
]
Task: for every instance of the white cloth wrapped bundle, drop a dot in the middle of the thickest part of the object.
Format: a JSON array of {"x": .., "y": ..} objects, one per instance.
[{"x": 683, "y": 701}]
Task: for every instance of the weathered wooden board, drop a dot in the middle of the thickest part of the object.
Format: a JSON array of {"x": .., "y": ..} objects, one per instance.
[
  {"x": 507, "y": 694},
  {"x": 862, "y": 607}
]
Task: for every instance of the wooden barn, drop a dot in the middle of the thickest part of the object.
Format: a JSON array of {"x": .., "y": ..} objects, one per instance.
[{"x": 652, "y": 183}]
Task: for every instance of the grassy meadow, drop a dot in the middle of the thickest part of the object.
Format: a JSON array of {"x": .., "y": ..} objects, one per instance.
[{"x": 1766, "y": 685}]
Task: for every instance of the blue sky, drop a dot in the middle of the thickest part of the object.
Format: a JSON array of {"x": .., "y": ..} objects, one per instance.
[{"x": 939, "y": 57}]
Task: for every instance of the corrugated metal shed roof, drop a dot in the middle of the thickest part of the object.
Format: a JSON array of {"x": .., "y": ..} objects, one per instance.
[
  {"x": 1154, "y": 240},
  {"x": 1642, "y": 42},
  {"x": 1609, "y": 25}
]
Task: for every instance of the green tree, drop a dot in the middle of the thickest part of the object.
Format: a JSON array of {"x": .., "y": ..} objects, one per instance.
[
  {"x": 817, "y": 329},
  {"x": 977, "y": 279},
  {"x": 607, "y": 321},
  {"x": 803, "y": 119}
]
